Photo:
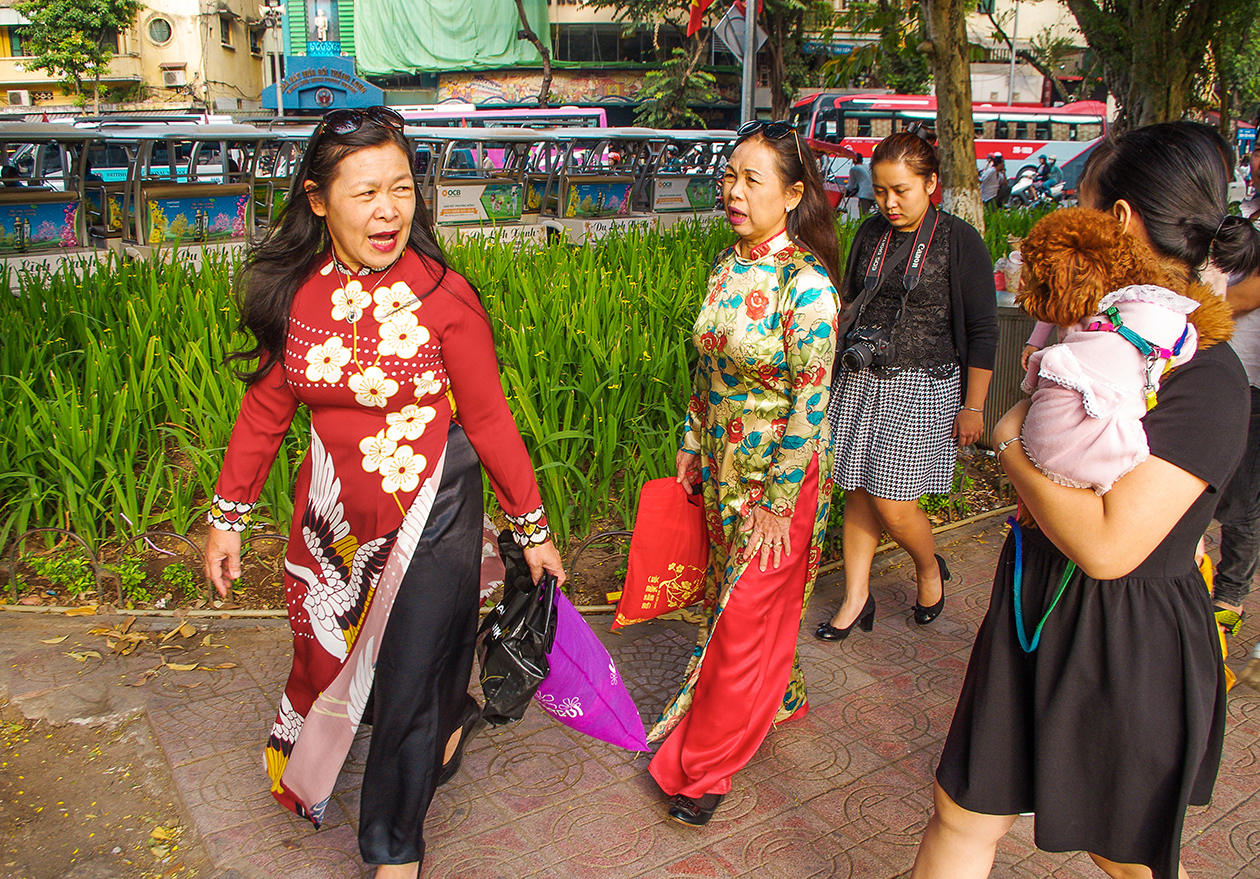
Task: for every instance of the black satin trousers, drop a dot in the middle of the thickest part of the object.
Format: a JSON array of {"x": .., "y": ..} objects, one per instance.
[{"x": 421, "y": 687}]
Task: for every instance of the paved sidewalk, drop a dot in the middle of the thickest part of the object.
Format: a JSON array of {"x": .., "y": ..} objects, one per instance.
[{"x": 845, "y": 792}]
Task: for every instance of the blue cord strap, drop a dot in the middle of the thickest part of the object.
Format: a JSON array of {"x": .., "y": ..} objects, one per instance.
[{"x": 1030, "y": 647}]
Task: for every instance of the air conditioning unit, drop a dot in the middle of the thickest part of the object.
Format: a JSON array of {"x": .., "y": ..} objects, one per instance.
[
  {"x": 174, "y": 78},
  {"x": 19, "y": 98}
]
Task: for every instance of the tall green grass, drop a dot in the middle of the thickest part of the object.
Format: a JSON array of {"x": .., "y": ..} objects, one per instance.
[{"x": 117, "y": 406}]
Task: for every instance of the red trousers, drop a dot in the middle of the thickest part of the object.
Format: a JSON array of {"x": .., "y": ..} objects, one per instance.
[{"x": 746, "y": 669}]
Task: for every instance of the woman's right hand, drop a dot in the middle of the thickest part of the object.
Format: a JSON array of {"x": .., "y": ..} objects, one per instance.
[
  {"x": 688, "y": 466},
  {"x": 223, "y": 559}
]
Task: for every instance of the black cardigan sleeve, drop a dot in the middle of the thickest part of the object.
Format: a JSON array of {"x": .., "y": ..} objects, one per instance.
[{"x": 974, "y": 297}]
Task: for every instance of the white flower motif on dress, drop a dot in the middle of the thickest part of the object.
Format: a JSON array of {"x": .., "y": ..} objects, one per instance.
[
  {"x": 402, "y": 470},
  {"x": 324, "y": 362},
  {"x": 372, "y": 387},
  {"x": 392, "y": 300},
  {"x": 402, "y": 338},
  {"x": 427, "y": 384},
  {"x": 410, "y": 422},
  {"x": 349, "y": 301},
  {"x": 376, "y": 451}
]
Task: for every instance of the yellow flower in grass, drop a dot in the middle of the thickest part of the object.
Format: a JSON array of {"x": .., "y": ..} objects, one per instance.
[
  {"x": 324, "y": 362},
  {"x": 402, "y": 470},
  {"x": 409, "y": 423},
  {"x": 372, "y": 387}
]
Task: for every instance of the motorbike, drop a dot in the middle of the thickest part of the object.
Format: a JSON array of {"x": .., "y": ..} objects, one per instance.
[{"x": 1023, "y": 194}]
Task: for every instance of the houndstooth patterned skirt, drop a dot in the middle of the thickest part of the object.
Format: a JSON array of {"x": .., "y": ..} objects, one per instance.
[{"x": 892, "y": 432}]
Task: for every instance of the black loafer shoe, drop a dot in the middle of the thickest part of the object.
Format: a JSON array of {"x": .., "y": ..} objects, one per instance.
[{"x": 694, "y": 812}]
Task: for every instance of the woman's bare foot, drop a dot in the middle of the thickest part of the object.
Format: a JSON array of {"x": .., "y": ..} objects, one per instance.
[{"x": 398, "y": 871}]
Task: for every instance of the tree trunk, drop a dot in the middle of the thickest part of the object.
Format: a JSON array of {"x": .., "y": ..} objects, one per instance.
[
  {"x": 782, "y": 29},
  {"x": 1150, "y": 52},
  {"x": 527, "y": 32},
  {"x": 950, "y": 53}
]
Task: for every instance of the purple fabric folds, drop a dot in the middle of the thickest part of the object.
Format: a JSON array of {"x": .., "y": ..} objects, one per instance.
[{"x": 584, "y": 690}]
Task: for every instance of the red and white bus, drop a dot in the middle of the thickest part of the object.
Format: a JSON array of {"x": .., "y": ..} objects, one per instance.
[
  {"x": 457, "y": 115},
  {"x": 1021, "y": 133}
]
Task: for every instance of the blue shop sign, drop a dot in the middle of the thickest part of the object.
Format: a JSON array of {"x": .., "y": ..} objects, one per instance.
[{"x": 319, "y": 83}]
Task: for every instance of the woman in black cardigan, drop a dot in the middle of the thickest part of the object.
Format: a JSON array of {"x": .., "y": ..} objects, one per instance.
[{"x": 913, "y": 376}]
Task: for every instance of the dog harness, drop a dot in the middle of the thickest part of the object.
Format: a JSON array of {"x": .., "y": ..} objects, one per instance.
[{"x": 1152, "y": 353}]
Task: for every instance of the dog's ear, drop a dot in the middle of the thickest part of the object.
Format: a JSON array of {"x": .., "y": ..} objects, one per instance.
[{"x": 1080, "y": 278}]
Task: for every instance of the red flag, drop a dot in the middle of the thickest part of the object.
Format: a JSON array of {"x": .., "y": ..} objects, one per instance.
[
  {"x": 697, "y": 10},
  {"x": 740, "y": 8}
]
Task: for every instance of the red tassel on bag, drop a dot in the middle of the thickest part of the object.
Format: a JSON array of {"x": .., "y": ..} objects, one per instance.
[{"x": 669, "y": 553}]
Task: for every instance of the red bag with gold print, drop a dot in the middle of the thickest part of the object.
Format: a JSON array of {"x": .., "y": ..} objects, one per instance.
[{"x": 669, "y": 553}]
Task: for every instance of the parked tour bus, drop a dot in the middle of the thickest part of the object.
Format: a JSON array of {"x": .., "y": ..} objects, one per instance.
[{"x": 1020, "y": 133}]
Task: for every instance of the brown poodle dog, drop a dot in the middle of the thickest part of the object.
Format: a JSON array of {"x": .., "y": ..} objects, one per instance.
[
  {"x": 1125, "y": 319},
  {"x": 1076, "y": 256}
]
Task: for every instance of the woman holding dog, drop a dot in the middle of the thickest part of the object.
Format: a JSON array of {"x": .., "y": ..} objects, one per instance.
[
  {"x": 912, "y": 376},
  {"x": 1095, "y": 692}
]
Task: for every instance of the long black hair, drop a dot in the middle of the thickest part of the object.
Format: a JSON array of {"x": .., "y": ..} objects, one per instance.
[
  {"x": 279, "y": 264},
  {"x": 812, "y": 223},
  {"x": 1175, "y": 176}
]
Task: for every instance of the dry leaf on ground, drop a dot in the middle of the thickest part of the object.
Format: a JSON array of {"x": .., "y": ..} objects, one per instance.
[
  {"x": 85, "y": 611},
  {"x": 53, "y": 640},
  {"x": 83, "y": 657}
]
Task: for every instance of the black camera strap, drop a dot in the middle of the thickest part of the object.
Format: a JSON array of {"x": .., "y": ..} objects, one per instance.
[{"x": 915, "y": 248}]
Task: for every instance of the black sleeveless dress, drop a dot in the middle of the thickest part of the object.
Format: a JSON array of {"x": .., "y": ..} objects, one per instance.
[{"x": 1115, "y": 723}]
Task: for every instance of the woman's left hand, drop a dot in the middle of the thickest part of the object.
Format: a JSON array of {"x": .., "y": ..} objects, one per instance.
[
  {"x": 769, "y": 537},
  {"x": 968, "y": 426},
  {"x": 545, "y": 558}
]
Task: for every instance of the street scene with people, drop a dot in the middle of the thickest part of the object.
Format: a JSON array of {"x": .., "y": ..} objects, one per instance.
[{"x": 630, "y": 438}]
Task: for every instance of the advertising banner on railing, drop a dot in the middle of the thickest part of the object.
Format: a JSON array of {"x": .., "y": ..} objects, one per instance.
[
  {"x": 684, "y": 194},
  {"x": 478, "y": 202}
]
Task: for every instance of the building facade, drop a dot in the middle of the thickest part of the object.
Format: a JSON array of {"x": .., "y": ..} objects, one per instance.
[{"x": 180, "y": 54}]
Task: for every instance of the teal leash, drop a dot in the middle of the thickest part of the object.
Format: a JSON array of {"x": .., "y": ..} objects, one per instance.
[{"x": 1031, "y": 647}]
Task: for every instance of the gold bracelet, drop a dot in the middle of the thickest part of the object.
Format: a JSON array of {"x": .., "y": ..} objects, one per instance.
[{"x": 997, "y": 453}]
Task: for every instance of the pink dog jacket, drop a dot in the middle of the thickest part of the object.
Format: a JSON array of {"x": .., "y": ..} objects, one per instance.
[{"x": 1089, "y": 392}]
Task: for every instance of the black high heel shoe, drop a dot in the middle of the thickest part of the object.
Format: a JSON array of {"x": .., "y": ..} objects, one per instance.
[
  {"x": 468, "y": 726},
  {"x": 924, "y": 615},
  {"x": 865, "y": 621},
  {"x": 694, "y": 812}
]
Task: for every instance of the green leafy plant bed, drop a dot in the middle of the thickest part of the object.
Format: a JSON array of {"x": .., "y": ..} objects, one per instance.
[{"x": 118, "y": 405}]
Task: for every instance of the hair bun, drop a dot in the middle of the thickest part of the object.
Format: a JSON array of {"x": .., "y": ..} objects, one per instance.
[{"x": 923, "y": 131}]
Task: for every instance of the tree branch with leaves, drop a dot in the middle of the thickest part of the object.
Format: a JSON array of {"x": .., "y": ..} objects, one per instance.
[{"x": 74, "y": 40}]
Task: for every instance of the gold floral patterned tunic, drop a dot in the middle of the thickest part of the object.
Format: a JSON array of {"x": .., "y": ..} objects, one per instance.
[{"x": 757, "y": 417}]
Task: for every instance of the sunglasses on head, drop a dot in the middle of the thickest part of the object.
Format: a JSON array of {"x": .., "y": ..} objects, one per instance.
[
  {"x": 772, "y": 130},
  {"x": 350, "y": 121}
]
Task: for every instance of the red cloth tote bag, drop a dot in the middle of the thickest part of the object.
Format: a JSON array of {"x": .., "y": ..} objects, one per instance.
[{"x": 669, "y": 553}]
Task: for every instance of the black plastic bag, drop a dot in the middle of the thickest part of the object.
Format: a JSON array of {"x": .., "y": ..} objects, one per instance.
[{"x": 515, "y": 638}]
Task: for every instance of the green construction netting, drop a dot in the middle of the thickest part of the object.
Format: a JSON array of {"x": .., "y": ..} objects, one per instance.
[{"x": 405, "y": 36}]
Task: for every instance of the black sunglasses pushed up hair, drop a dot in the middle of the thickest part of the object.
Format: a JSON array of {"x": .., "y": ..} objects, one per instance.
[
  {"x": 350, "y": 121},
  {"x": 772, "y": 130}
]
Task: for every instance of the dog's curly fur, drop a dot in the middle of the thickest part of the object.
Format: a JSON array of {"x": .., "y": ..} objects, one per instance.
[{"x": 1076, "y": 256}]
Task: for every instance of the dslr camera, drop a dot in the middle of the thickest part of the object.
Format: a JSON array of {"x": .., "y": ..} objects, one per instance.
[{"x": 867, "y": 346}]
